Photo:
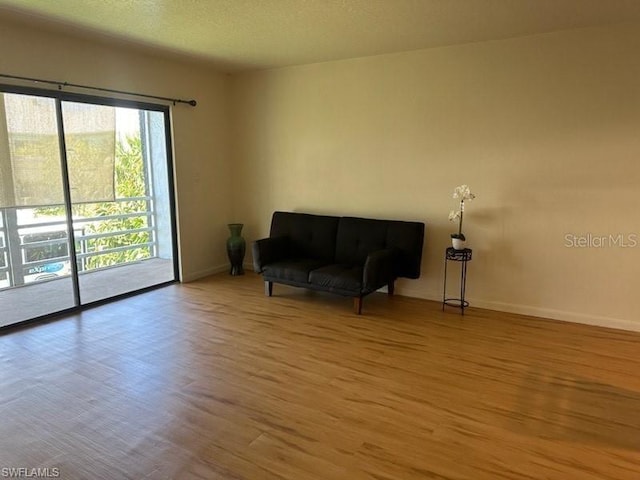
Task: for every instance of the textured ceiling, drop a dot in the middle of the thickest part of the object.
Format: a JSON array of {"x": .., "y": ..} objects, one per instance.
[{"x": 256, "y": 34}]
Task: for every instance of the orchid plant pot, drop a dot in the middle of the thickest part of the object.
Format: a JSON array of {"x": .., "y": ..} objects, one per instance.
[{"x": 458, "y": 241}]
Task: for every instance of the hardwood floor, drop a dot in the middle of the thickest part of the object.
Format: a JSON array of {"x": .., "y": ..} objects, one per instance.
[{"x": 213, "y": 380}]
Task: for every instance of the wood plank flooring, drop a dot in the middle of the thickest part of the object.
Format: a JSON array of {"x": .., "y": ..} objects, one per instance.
[{"x": 213, "y": 380}]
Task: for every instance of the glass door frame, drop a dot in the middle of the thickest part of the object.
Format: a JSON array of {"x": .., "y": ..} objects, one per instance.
[{"x": 59, "y": 97}]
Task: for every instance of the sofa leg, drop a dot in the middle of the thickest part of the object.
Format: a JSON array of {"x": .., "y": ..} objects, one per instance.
[
  {"x": 357, "y": 305},
  {"x": 268, "y": 288},
  {"x": 391, "y": 288}
]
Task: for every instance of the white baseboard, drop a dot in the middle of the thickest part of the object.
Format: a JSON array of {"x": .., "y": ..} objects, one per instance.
[
  {"x": 562, "y": 315},
  {"x": 192, "y": 276}
]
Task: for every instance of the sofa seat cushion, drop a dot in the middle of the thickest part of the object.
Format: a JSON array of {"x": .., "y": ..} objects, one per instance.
[
  {"x": 338, "y": 277},
  {"x": 293, "y": 270}
]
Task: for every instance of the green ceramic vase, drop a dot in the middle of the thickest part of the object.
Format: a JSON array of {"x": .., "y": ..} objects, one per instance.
[{"x": 236, "y": 248}]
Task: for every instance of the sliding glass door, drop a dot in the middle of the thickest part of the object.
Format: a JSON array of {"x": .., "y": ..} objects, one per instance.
[
  {"x": 123, "y": 235},
  {"x": 35, "y": 226},
  {"x": 86, "y": 209}
]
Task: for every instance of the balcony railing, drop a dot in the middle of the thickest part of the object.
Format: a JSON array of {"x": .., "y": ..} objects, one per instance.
[{"x": 42, "y": 248}]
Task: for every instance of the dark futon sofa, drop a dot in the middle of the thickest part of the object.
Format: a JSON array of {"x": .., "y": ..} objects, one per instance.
[{"x": 344, "y": 255}]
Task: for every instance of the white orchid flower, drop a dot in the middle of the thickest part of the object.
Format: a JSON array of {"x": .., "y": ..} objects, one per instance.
[{"x": 463, "y": 192}]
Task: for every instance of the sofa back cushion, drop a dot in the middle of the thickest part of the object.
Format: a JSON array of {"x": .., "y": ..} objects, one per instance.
[
  {"x": 310, "y": 236},
  {"x": 358, "y": 237}
]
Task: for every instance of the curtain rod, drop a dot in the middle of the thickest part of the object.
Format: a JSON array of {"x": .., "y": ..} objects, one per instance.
[{"x": 193, "y": 103}]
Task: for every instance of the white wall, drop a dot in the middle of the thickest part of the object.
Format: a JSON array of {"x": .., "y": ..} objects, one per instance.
[
  {"x": 545, "y": 129},
  {"x": 201, "y": 145}
]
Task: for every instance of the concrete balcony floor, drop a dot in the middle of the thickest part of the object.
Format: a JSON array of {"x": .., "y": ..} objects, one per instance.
[{"x": 36, "y": 299}]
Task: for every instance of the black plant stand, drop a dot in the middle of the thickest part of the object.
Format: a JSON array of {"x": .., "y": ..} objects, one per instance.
[{"x": 463, "y": 256}]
